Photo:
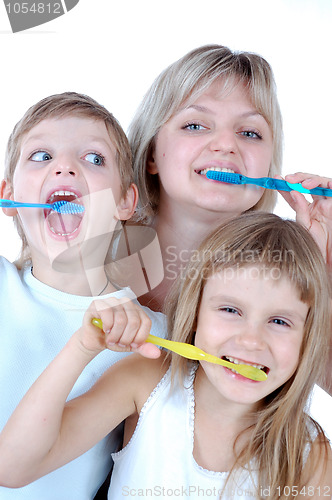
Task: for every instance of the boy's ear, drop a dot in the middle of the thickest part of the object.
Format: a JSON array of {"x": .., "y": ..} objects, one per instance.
[
  {"x": 6, "y": 193},
  {"x": 126, "y": 207}
]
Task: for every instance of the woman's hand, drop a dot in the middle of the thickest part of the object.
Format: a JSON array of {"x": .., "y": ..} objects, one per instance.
[
  {"x": 316, "y": 216},
  {"x": 125, "y": 328}
]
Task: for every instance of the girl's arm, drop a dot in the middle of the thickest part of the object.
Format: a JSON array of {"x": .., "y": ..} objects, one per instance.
[{"x": 44, "y": 433}]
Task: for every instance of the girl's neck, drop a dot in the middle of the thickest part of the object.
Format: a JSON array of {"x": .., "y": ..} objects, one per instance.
[{"x": 218, "y": 426}]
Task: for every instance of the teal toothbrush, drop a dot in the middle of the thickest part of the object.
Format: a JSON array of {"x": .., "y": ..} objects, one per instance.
[
  {"x": 265, "y": 182},
  {"x": 62, "y": 207}
]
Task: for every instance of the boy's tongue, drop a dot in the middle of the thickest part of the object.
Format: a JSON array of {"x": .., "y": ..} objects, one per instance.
[{"x": 63, "y": 223}]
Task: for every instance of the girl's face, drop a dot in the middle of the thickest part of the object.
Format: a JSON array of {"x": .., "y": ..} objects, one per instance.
[
  {"x": 250, "y": 316},
  {"x": 223, "y": 132}
]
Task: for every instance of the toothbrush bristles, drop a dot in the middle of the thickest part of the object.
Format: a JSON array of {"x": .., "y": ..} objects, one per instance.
[{"x": 65, "y": 207}]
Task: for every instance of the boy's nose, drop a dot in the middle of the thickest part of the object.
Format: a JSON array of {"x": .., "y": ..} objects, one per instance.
[{"x": 65, "y": 168}]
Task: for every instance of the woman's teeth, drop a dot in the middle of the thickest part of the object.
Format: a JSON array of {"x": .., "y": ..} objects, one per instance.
[{"x": 216, "y": 169}]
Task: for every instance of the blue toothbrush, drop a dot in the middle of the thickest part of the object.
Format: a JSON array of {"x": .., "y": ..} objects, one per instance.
[
  {"x": 266, "y": 182},
  {"x": 62, "y": 207}
]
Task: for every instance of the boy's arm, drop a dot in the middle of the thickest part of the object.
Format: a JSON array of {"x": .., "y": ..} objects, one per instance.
[{"x": 43, "y": 433}]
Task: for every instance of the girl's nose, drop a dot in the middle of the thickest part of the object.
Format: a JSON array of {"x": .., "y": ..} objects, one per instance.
[
  {"x": 251, "y": 338},
  {"x": 224, "y": 141}
]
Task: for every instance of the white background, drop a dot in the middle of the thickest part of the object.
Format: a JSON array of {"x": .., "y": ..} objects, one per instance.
[{"x": 113, "y": 49}]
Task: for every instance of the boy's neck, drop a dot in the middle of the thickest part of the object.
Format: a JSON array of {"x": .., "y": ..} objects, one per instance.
[{"x": 78, "y": 283}]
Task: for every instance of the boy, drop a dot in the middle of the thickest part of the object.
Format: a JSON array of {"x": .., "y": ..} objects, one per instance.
[{"x": 66, "y": 147}]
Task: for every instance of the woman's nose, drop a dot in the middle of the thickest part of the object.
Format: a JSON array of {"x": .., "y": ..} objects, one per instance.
[{"x": 224, "y": 141}]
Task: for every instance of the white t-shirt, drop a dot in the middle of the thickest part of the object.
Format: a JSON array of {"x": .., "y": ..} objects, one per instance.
[{"x": 36, "y": 321}]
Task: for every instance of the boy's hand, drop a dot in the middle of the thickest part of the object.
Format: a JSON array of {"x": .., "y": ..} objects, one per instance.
[
  {"x": 315, "y": 216},
  {"x": 126, "y": 326}
]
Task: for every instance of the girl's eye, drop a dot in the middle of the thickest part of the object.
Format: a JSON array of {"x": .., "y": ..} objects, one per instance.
[
  {"x": 95, "y": 158},
  {"x": 40, "y": 156},
  {"x": 229, "y": 310},
  {"x": 195, "y": 127},
  {"x": 251, "y": 134},
  {"x": 281, "y": 322}
]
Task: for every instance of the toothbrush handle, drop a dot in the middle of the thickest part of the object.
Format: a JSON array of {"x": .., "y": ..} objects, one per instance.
[
  {"x": 282, "y": 185},
  {"x": 186, "y": 350},
  {"x": 18, "y": 204}
]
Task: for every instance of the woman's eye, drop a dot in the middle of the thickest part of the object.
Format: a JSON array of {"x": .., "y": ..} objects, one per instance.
[
  {"x": 40, "y": 156},
  {"x": 95, "y": 158},
  {"x": 251, "y": 134},
  {"x": 195, "y": 127}
]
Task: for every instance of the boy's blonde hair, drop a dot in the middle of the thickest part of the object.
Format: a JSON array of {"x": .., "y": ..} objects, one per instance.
[
  {"x": 58, "y": 106},
  {"x": 278, "y": 439},
  {"x": 186, "y": 79}
]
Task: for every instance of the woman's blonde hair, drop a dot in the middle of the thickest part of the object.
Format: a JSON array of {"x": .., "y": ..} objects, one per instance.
[
  {"x": 59, "y": 106},
  {"x": 186, "y": 79},
  {"x": 279, "y": 436}
]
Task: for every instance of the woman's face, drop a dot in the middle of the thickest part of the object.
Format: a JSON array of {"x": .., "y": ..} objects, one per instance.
[{"x": 223, "y": 132}]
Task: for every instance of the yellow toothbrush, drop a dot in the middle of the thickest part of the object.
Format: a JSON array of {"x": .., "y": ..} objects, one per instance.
[{"x": 192, "y": 352}]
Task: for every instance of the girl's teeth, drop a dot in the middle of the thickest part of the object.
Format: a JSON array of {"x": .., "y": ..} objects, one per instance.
[
  {"x": 238, "y": 362},
  {"x": 216, "y": 169}
]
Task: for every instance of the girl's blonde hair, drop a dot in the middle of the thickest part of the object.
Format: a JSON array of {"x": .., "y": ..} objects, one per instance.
[
  {"x": 278, "y": 439},
  {"x": 58, "y": 106},
  {"x": 186, "y": 79}
]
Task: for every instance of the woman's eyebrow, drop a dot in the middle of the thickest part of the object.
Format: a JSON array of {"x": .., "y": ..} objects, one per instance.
[{"x": 204, "y": 109}]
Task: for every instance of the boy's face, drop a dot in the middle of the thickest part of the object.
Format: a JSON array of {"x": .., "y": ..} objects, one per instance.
[{"x": 69, "y": 158}]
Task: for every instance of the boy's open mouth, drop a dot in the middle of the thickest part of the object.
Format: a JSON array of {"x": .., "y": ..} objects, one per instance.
[{"x": 63, "y": 224}]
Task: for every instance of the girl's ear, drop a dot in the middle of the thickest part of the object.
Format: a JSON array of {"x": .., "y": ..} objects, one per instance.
[
  {"x": 126, "y": 206},
  {"x": 6, "y": 193}
]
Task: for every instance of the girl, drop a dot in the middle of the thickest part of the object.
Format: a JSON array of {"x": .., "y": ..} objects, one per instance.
[
  {"x": 218, "y": 109},
  {"x": 256, "y": 293}
]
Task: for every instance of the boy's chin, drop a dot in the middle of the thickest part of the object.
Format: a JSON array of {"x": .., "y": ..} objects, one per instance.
[{"x": 90, "y": 254}]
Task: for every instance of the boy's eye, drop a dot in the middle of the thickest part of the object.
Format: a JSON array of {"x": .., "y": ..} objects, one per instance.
[
  {"x": 95, "y": 158},
  {"x": 40, "y": 156}
]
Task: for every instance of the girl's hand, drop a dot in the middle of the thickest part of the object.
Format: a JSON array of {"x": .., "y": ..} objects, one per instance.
[
  {"x": 315, "y": 216},
  {"x": 126, "y": 326}
]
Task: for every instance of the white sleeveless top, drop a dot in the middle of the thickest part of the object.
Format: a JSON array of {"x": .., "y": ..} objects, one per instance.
[{"x": 158, "y": 461}]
